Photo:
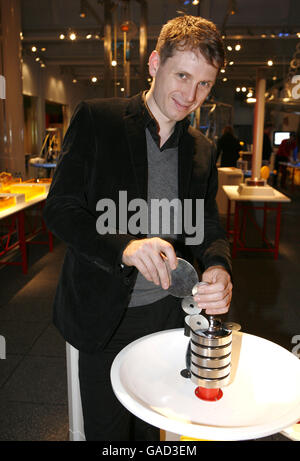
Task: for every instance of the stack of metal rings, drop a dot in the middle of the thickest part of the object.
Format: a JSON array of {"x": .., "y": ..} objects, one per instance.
[{"x": 210, "y": 354}]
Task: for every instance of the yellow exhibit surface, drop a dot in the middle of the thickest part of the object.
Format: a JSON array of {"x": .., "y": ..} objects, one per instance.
[
  {"x": 6, "y": 202},
  {"x": 38, "y": 181},
  {"x": 29, "y": 190}
]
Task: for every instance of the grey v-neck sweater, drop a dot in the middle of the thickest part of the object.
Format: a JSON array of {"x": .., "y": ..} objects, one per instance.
[{"x": 162, "y": 184}]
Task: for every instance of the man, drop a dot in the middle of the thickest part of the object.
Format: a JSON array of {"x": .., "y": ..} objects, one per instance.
[
  {"x": 267, "y": 146},
  {"x": 112, "y": 288},
  {"x": 284, "y": 155}
]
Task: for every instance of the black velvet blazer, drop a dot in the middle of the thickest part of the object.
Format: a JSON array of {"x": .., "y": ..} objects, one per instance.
[{"x": 104, "y": 152}]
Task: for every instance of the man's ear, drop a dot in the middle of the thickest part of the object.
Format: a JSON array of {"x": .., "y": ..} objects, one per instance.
[{"x": 154, "y": 62}]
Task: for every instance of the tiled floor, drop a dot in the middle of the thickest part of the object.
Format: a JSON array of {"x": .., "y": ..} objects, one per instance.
[{"x": 33, "y": 381}]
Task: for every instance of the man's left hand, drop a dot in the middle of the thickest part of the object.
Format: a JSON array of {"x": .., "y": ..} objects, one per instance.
[{"x": 215, "y": 298}]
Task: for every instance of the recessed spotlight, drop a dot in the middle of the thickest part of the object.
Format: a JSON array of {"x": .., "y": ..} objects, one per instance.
[
  {"x": 237, "y": 89},
  {"x": 114, "y": 63},
  {"x": 33, "y": 49},
  {"x": 244, "y": 89},
  {"x": 43, "y": 49},
  {"x": 249, "y": 94},
  {"x": 222, "y": 71},
  {"x": 94, "y": 79},
  {"x": 74, "y": 80},
  {"x": 274, "y": 77},
  {"x": 237, "y": 47},
  {"x": 43, "y": 64},
  {"x": 231, "y": 63},
  {"x": 37, "y": 59},
  {"x": 62, "y": 36},
  {"x": 251, "y": 100},
  {"x": 122, "y": 89},
  {"x": 270, "y": 62},
  {"x": 225, "y": 79},
  {"x": 72, "y": 36},
  {"x": 229, "y": 47},
  {"x": 88, "y": 36}
]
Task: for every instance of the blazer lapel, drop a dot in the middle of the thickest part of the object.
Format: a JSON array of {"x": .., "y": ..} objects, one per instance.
[
  {"x": 186, "y": 150},
  {"x": 136, "y": 138}
]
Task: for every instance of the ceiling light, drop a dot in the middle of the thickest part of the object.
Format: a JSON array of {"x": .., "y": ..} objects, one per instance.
[
  {"x": 43, "y": 49},
  {"x": 250, "y": 94},
  {"x": 33, "y": 49},
  {"x": 237, "y": 89},
  {"x": 88, "y": 36},
  {"x": 225, "y": 79},
  {"x": 229, "y": 48},
  {"x": 270, "y": 62},
  {"x": 274, "y": 77},
  {"x": 114, "y": 63},
  {"x": 298, "y": 34},
  {"x": 74, "y": 80},
  {"x": 82, "y": 12},
  {"x": 231, "y": 63},
  {"x": 195, "y": 2},
  {"x": 37, "y": 59},
  {"x": 122, "y": 89},
  {"x": 62, "y": 36},
  {"x": 222, "y": 71},
  {"x": 244, "y": 89},
  {"x": 72, "y": 36},
  {"x": 43, "y": 64},
  {"x": 94, "y": 79},
  {"x": 237, "y": 47},
  {"x": 251, "y": 100}
]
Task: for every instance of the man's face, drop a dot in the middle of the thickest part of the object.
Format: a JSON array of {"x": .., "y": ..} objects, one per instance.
[{"x": 181, "y": 84}]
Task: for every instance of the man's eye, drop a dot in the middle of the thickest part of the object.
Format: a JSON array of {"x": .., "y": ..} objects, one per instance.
[
  {"x": 181, "y": 75},
  {"x": 204, "y": 84}
]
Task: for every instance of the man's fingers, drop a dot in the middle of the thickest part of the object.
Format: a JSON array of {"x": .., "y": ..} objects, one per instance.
[
  {"x": 170, "y": 254},
  {"x": 143, "y": 269},
  {"x": 148, "y": 256},
  {"x": 162, "y": 270},
  {"x": 205, "y": 303},
  {"x": 213, "y": 296}
]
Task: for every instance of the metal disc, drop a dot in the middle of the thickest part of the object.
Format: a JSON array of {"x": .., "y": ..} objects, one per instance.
[
  {"x": 198, "y": 322},
  {"x": 182, "y": 279},
  {"x": 190, "y": 306},
  {"x": 195, "y": 287},
  {"x": 232, "y": 326}
]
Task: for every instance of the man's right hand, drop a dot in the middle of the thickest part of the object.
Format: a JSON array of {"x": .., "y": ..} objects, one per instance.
[{"x": 148, "y": 255}]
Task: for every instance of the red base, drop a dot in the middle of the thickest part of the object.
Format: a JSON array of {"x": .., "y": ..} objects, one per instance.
[{"x": 211, "y": 395}]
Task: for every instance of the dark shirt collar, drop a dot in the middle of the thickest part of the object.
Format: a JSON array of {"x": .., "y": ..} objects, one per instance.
[{"x": 150, "y": 122}]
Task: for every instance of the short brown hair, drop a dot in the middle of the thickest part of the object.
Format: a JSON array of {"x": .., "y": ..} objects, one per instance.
[{"x": 192, "y": 33}]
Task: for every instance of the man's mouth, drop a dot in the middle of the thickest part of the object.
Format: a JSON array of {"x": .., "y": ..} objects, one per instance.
[{"x": 180, "y": 107}]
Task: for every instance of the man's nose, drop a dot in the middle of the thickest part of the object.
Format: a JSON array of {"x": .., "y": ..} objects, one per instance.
[{"x": 191, "y": 92}]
